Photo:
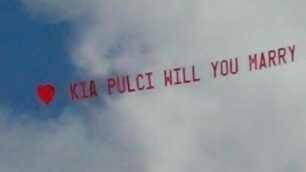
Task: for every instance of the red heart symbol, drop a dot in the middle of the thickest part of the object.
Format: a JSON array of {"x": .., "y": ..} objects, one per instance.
[{"x": 46, "y": 92}]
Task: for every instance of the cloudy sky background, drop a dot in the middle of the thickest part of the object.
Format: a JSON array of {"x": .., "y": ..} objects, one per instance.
[{"x": 249, "y": 122}]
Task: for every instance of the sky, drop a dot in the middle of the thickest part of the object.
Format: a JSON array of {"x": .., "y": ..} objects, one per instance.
[
  {"x": 251, "y": 121},
  {"x": 32, "y": 51}
]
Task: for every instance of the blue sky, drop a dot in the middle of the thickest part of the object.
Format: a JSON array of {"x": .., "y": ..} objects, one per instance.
[{"x": 32, "y": 51}]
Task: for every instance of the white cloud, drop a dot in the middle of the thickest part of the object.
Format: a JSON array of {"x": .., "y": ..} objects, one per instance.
[
  {"x": 249, "y": 122},
  {"x": 70, "y": 143}
]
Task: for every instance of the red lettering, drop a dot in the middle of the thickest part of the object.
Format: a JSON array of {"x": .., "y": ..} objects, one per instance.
[
  {"x": 224, "y": 67},
  {"x": 292, "y": 51},
  {"x": 194, "y": 78},
  {"x": 177, "y": 76},
  {"x": 139, "y": 76},
  {"x": 93, "y": 89},
  {"x": 236, "y": 66},
  {"x": 121, "y": 89},
  {"x": 110, "y": 84},
  {"x": 168, "y": 77},
  {"x": 83, "y": 85},
  {"x": 252, "y": 62},
  {"x": 281, "y": 55},
  {"x": 214, "y": 66},
  {"x": 128, "y": 84},
  {"x": 149, "y": 75},
  {"x": 184, "y": 76},
  {"x": 262, "y": 61},
  {"x": 73, "y": 92},
  {"x": 272, "y": 56}
]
